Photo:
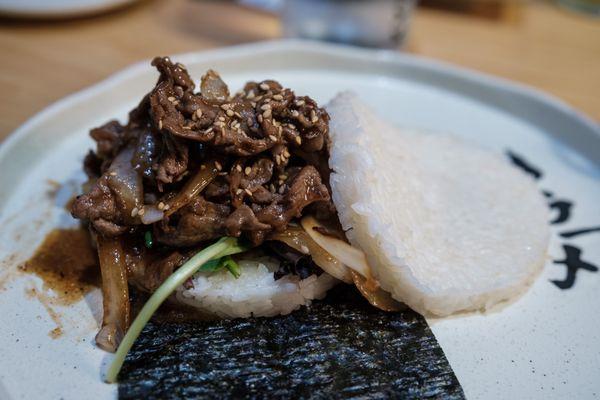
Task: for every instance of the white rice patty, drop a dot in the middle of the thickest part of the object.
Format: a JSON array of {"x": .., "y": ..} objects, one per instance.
[
  {"x": 255, "y": 293},
  {"x": 446, "y": 226}
]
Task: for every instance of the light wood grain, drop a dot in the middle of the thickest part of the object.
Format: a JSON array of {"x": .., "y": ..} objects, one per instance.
[{"x": 542, "y": 46}]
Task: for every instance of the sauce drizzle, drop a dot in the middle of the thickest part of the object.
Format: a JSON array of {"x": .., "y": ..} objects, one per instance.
[{"x": 67, "y": 264}]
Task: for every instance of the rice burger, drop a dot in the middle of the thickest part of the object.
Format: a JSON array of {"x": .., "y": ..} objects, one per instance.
[{"x": 258, "y": 202}]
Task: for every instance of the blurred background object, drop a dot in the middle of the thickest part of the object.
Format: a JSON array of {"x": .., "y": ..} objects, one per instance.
[
  {"x": 538, "y": 42},
  {"x": 57, "y": 8},
  {"x": 492, "y": 9},
  {"x": 374, "y": 23},
  {"x": 591, "y": 7}
]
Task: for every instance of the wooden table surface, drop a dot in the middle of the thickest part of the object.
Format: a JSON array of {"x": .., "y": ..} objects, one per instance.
[{"x": 537, "y": 44}]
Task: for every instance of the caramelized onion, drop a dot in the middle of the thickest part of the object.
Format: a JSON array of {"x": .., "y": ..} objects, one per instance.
[
  {"x": 193, "y": 186},
  {"x": 374, "y": 294},
  {"x": 298, "y": 239},
  {"x": 350, "y": 256},
  {"x": 151, "y": 215},
  {"x": 115, "y": 293},
  {"x": 126, "y": 183},
  {"x": 212, "y": 88}
]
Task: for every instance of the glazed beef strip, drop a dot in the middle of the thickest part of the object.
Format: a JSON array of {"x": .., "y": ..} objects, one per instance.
[
  {"x": 270, "y": 148},
  {"x": 190, "y": 167}
]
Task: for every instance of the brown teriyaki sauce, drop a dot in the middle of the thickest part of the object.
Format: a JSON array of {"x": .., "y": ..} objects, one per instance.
[{"x": 67, "y": 263}]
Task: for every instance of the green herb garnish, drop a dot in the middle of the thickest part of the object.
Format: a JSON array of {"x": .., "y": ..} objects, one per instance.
[
  {"x": 219, "y": 250},
  {"x": 232, "y": 266},
  {"x": 148, "y": 239},
  {"x": 223, "y": 262}
]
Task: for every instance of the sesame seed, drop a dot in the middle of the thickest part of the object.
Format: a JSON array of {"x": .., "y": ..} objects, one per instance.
[
  {"x": 134, "y": 212},
  {"x": 281, "y": 189},
  {"x": 225, "y": 106},
  {"x": 238, "y": 192},
  {"x": 199, "y": 113},
  {"x": 267, "y": 113},
  {"x": 160, "y": 124},
  {"x": 313, "y": 116},
  {"x": 304, "y": 249},
  {"x": 264, "y": 86},
  {"x": 229, "y": 113},
  {"x": 286, "y": 153},
  {"x": 283, "y": 176},
  {"x": 273, "y": 138},
  {"x": 209, "y": 130},
  {"x": 237, "y": 114},
  {"x": 250, "y": 94},
  {"x": 298, "y": 140},
  {"x": 222, "y": 119},
  {"x": 171, "y": 99},
  {"x": 176, "y": 102},
  {"x": 277, "y": 97},
  {"x": 141, "y": 211},
  {"x": 222, "y": 173},
  {"x": 272, "y": 188},
  {"x": 277, "y": 159},
  {"x": 295, "y": 113},
  {"x": 247, "y": 170},
  {"x": 113, "y": 173},
  {"x": 260, "y": 118},
  {"x": 238, "y": 168},
  {"x": 300, "y": 103},
  {"x": 167, "y": 207},
  {"x": 265, "y": 107},
  {"x": 248, "y": 192},
  {"x": 218, "y": 165},
  {"x": 161, "y": 206},
  {"x": 253, "y": 104},
  {"x": 202, "y": 167}
]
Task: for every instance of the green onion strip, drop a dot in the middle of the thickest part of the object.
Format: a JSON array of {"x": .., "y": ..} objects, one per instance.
[{"x": 223, "y": 247}]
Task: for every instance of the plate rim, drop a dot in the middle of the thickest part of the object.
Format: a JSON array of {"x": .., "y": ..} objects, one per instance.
[{"x": 393, "y": 57}]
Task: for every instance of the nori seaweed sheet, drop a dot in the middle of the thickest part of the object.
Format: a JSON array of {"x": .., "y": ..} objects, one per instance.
[{"x": 340, "y": 347}]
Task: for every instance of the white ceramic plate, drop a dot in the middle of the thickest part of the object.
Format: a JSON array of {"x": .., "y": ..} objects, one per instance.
[
  {"x": 544, "y": 345},
  {"x": 57, "y": 8}
]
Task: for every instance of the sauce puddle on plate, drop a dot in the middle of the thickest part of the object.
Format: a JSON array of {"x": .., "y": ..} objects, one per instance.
[{"x": 67, "y": 263}]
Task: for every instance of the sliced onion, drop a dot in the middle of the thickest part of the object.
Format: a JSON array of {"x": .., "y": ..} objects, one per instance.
[
  {"x": 375, "y": 295},
  {"x": 205, "y": 175},
  {"x": 126, "y": 183},
  {"x": 350, "y": 256},
  {"x": 298, "y": 239},
  {"x": 151, "y": 215},
  {"x": 212, "y": 88},
  {"x": 115, "y": 293}
]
